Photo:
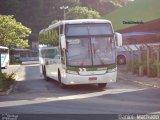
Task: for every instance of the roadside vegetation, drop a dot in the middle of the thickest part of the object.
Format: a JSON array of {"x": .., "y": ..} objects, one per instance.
[
  {"x": 82, "y": 13},
  {"x": 14, "y": 34},
  {"x": 140, "y": 67},
  {"x": 6, "y": 80}
]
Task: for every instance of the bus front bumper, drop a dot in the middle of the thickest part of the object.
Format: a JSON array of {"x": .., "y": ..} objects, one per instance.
[{"x": 71, "y": 79}]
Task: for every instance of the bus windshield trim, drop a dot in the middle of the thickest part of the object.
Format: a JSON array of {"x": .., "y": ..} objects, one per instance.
[{"x": 89, "y": 29}]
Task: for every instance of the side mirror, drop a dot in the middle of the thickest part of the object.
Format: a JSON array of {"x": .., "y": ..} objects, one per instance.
[
  {"x": 63, "y": 42},
  {"x": 118, "y": 38}
]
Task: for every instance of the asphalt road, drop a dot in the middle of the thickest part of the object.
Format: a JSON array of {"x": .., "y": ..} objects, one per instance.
[{"x": 32, "y": 94}]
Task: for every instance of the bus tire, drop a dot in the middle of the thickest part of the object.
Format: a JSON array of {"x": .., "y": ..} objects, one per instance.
[
  {"x": 45, "y": 74},
  {"x": 42, "y": 70},
  {"x": 102, "y": 85},
  {"x": 59, "y": 79}
]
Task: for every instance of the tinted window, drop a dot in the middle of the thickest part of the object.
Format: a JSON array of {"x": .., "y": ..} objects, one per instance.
[
  {"x": 88, "y": 29},
  {"x": 49, "y": 53}
]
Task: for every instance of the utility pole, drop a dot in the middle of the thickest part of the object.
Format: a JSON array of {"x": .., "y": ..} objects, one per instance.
[{"x": 64, "y": 8}]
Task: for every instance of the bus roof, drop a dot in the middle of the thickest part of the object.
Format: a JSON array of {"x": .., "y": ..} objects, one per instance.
[
  {"x": 77, "y": 21},
  {"x": 3, "y": 47}
]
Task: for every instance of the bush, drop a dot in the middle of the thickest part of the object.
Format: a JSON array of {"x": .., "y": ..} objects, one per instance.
[
  {"x": 153, "y": 68},
  {"x": 6, "y": 80},
  {"x": 82, "y": 13},
  {"x": 129, "y": 66},
  {"x": 135, "y": 67},
  {"x": 143, "y": 64}
]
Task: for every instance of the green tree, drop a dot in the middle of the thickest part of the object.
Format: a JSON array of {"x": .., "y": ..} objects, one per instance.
[
  {"x": 120, "y": 3},
  {"x": 81, "y": 13},
  {"x": 13, "y": 33},
  {"x": 104, "y": 6}
]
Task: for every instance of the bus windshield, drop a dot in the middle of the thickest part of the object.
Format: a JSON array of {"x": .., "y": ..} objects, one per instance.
[
  {"x": 93, "y": 51},
  {"x": 88, "y": 29}
]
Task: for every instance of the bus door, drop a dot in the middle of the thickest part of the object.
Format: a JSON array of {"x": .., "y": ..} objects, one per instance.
[{"x": 51, "y": 61}]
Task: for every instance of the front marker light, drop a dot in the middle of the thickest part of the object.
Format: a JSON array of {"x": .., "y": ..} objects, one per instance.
[
  {"x": 112, "y": 70},
  {"x": 72, "y": 72}
]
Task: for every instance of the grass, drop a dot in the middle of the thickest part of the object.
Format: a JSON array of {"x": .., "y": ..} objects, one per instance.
[{"x": 139, "y": 10}]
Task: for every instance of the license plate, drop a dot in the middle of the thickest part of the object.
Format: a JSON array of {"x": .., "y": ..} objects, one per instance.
[{"x": 92, "y": 78}]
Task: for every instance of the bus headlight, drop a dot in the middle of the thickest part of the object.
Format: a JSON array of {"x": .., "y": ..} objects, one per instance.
[
  {"x": 72, "y": 72},
  {"x": 112, "y": 70}
]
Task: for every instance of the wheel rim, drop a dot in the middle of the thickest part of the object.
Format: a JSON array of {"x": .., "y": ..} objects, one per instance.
[
  {"x": 44, "y": 72},
  {"x": 60, "y": 82}
]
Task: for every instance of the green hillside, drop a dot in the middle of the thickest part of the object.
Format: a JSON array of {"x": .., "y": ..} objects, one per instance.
[{"x": 139, "y": 10}]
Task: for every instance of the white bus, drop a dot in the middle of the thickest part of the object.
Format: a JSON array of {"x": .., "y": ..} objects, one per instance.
[
  {"x": 84, "y": 52},
  {"x": 4, "y": 56}
]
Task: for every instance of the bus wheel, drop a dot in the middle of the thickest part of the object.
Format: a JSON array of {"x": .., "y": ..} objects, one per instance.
[
  {"x": 102, "y": 85},
  {"x": 60, "y": 83},
  {"x": 45, "y": 74},
  {"x": 42, "y": 69}
]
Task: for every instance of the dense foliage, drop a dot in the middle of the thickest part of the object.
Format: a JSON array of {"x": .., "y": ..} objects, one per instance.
[
  {"x": 38, "y": 14},
  {"x": 6, "y": 80},
  {"x": 13, "y": 33},
  {"x": 81, "y": 13}
]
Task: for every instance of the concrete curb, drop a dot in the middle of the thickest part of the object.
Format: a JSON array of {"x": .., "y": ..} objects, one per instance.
[
  {"x": 125, "y": 75},
  {"x": 145, "y": 84},
  {"x": 141, "y": 83},
  {"x": 30, "y": 62},
  {"x": 15, "y": 65}
]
